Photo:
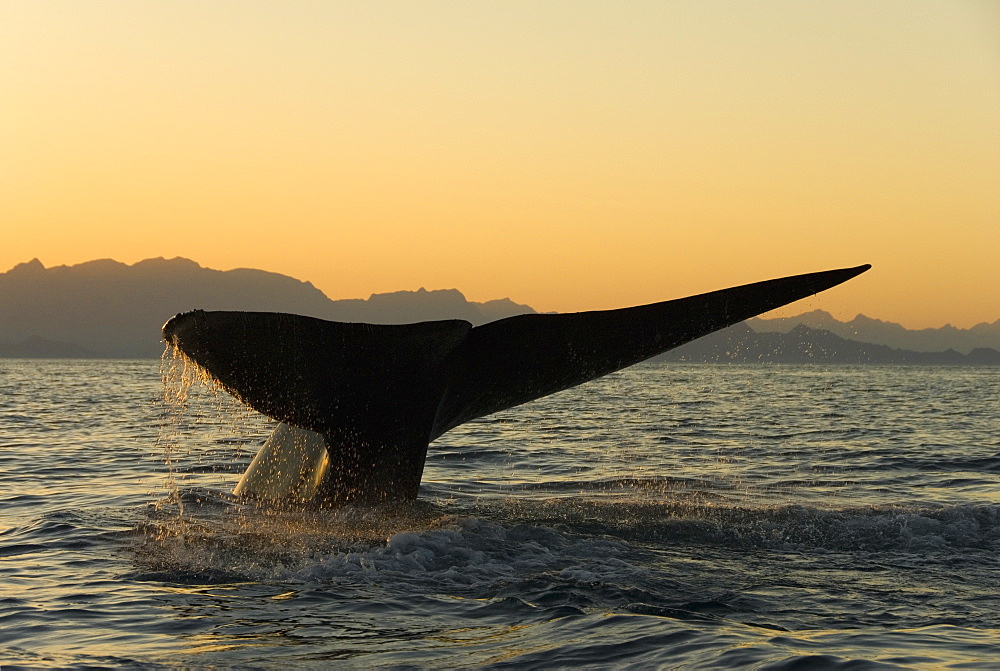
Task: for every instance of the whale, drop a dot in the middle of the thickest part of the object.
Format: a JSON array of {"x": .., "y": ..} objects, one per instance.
[{"x": 358, "y": 404}]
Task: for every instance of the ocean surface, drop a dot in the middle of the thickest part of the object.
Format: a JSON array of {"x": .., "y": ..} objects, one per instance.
[{"x": 694, "y": 516}]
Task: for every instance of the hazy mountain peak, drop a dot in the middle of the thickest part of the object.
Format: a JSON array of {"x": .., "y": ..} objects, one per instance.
[
  {"x": 817, "y": 314},
  {"x": 98, "y": 266},
  {"x": 865, "y": 319},
  {"x": 441, "y": 294},
  {"x": 159, "y": 262},
  {"x": 32, "y": 266}
]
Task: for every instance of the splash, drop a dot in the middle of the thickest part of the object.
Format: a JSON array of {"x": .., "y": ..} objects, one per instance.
[
  {"x": 176, "y": 377},
  {"x": 224, "y": 539},
  {"x": 179, "y": 373},
  {"x": 200, "y": 527},
  {"x": 190, "y": 428}
]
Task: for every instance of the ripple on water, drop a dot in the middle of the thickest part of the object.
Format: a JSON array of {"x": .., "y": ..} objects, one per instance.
[{"x": 737, "y": 516}]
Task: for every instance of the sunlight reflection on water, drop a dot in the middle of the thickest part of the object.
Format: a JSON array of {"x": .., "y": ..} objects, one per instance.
[{"x": 665, "y": 515}]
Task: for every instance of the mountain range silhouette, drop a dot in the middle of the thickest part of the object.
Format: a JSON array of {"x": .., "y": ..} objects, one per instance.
[
  {"x": 104, "y": 308},
  {"x": 876, "y": 331}
]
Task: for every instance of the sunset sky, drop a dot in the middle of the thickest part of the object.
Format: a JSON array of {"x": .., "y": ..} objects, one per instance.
[{"x": 570, "y": 155}]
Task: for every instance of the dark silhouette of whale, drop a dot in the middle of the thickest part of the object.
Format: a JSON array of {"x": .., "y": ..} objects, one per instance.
[{"x": 378, "y": 394}]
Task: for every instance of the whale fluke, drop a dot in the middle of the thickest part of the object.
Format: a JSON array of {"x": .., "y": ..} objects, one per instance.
[{"x": 379, "y": 394}]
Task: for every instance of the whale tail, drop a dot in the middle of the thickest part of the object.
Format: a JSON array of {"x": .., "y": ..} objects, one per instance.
[{"x": 379, "y": 394}]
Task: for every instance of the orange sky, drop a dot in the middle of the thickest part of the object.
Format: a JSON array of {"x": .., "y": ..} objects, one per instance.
[{"x": 570, "y": 155}]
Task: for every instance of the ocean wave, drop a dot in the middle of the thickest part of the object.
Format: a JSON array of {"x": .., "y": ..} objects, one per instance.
[
  {"x": 976, "y": 464},
  {"x": 899, "y": 527},
  {"x": 499, "y": 540}
]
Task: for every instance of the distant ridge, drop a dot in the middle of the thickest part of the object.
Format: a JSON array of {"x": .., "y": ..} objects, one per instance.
[
  {"x": 742, "y": 344},
  {"x": 877, "y": 332},
  {"x": 111, "y": 309},
  {"x": 104, "y": 308}
]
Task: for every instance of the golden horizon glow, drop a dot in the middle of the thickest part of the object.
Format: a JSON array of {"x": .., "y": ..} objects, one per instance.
[{"x": 568, "y": 155}]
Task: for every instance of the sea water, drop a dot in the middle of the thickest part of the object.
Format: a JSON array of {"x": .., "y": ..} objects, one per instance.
[{"x": 667, "y": 515}]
